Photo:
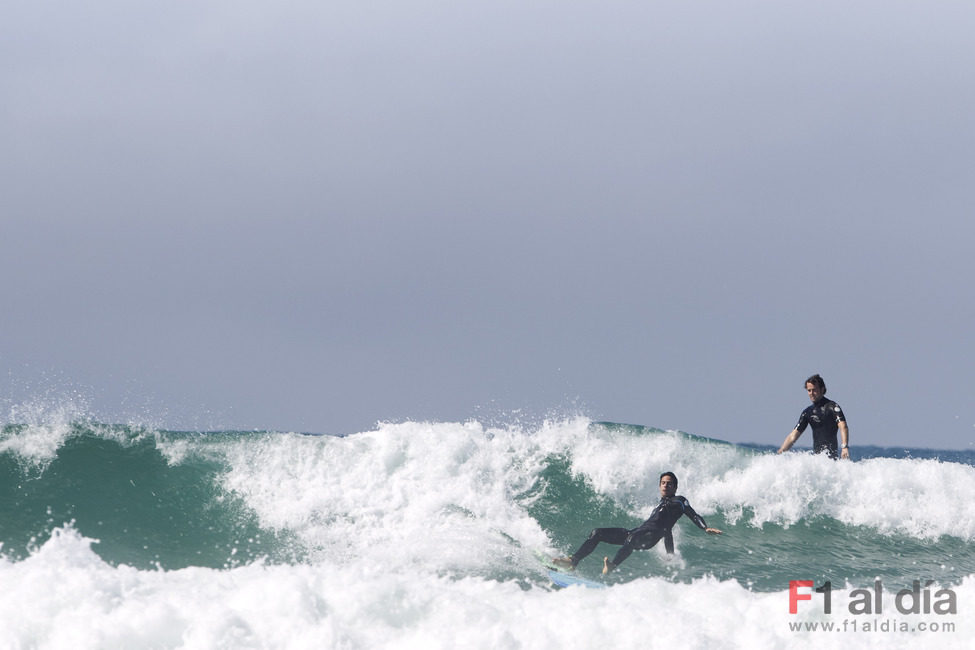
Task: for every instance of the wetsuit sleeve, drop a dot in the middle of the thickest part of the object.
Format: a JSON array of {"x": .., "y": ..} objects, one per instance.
[
  {"x": 803, "y": 421},
  {"x": 696, "y": 518},
  {"x": 838, "y": 413}
]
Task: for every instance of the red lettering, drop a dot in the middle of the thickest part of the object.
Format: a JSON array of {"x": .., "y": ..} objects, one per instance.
[{"x": 795, "y": 596}]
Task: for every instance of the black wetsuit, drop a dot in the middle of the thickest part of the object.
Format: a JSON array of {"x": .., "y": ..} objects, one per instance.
[
  {"x": 824, "y": 416},
  {"x": 644, "y": 536}
]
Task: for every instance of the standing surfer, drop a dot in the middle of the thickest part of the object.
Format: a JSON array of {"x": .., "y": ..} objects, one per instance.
[
  {"x": 658, "y": 526},
  {"x": 826, "y": 417}
]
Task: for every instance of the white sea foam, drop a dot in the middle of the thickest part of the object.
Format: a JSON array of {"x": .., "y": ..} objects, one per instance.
[
  {"x": 63, "y": 596},
  {"x": 45, "y": 427},
  {"x": 440, "y": 493},
  {"x": 915, "y": 497}
]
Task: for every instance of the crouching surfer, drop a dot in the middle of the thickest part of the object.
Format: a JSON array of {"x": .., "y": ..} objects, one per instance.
[{"x": 658, "y": 526}]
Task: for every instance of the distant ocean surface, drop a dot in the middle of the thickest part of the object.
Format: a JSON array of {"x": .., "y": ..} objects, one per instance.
[{"x": 426, "y": 535}]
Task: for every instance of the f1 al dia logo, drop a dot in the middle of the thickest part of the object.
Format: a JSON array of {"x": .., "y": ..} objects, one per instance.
[{"x": 866, "y": 601}]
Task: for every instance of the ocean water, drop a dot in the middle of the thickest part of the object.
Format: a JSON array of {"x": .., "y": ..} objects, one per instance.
[{"x": 426, "y": 535}]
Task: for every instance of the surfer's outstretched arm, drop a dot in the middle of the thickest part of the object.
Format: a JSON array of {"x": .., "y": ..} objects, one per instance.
[
  {"x": 789, "y": 441},
  {"x": 698, "y": 519}
]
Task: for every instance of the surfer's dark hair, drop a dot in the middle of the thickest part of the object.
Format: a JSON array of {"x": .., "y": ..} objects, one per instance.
[
  {"x": 818, "y": 382},
  {"x": 671, "y": 475}
]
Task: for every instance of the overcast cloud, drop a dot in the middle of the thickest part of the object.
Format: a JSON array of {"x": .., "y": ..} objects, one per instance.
[{"x": 319, "y": 215}]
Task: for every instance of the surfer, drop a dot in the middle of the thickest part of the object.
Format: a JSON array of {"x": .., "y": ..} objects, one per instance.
[
  {"x": 826, "y": 417},
  {"x": 644, "y": 536}
]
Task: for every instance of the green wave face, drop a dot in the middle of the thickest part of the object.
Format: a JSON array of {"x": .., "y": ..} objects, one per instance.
[
  {"x": 143, "y": 510},
  {"x": 157, "y": 499}
]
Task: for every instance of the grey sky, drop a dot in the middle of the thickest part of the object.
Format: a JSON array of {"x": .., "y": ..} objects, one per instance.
[{"x": 318, "y": 215}]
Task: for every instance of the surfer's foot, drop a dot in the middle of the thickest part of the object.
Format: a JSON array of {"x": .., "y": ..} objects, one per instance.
[
  {"x": 564, "y": 562},
  {"x": 607, "y": 565}
]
